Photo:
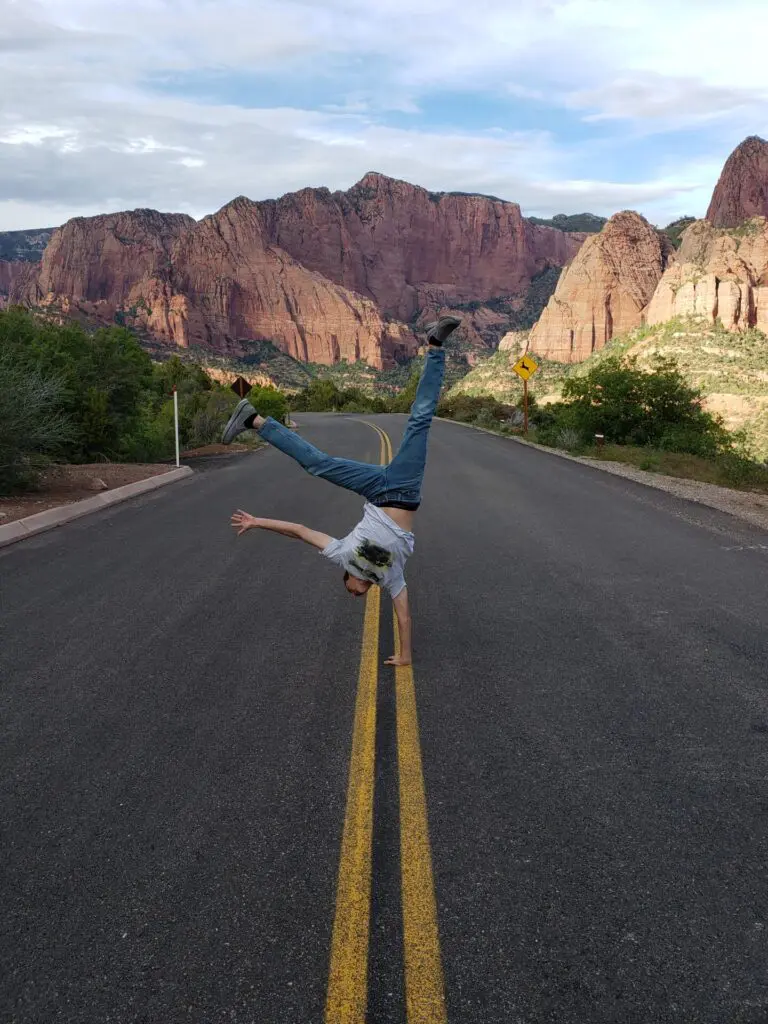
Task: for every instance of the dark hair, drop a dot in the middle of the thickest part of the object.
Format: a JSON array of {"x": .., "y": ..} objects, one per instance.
[{"x": 346, "y": 576}]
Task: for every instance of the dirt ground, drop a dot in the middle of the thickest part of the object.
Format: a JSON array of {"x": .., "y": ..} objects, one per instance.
[{"x": 61, "y": 485}]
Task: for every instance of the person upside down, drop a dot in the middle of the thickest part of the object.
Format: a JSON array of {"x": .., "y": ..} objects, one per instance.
[{"x": 375, "y": 552}]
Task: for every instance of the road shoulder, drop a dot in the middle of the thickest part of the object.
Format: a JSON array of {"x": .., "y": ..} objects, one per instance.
[{"x": 30, "y": 526}]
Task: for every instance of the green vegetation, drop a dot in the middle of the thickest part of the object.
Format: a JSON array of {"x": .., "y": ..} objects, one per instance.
[
  {"x": 674, "y": 231},
  {"x": 588, "y": 222},
  {"x": 727, "y": 470},
  {"x": 730, "y": 368},
  {"x": 84, "y": 397},
  {"x": 326, "y": 396},
  {"x": 629, "y": 406},
  {"x": 650, "y": 416}
]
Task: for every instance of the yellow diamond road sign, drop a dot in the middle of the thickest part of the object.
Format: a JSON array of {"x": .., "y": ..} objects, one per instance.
[{"x": 525, "y": 367}]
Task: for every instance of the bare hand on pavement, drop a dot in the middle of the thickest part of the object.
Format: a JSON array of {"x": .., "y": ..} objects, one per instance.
[{"x": 242, "y": 521}]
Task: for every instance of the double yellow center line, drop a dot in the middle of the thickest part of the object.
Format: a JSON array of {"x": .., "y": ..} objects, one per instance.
[{"x": 347, "y": 997}]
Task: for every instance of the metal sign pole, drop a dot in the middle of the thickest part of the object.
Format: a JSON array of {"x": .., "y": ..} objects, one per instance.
[
  {"x": 176, "y": 422},
  {"x": 525, "y": 406}
]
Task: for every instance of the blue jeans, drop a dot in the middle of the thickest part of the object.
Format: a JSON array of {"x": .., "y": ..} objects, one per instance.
[{"x": 400, "y": 481}]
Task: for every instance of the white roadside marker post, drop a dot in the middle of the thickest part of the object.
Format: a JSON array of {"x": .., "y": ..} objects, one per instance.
[{"x": 176, "y": 422}]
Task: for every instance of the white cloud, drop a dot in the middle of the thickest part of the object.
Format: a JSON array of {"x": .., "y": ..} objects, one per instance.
[{"x": 81, "y": 131}]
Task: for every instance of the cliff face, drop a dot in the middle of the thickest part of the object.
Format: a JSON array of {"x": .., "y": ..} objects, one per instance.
[
  {"x": 228, "y": 284},
  {"x": 742, "y": 190},
  {"x": 101, "y": 259},
  {"x": 407, "y": 248},
  {"x": 325, "y": 276},
  {"x": 604, "y": 291},
  {"x": 719, "y": 275},
  {"x": 217, "y": 283}
]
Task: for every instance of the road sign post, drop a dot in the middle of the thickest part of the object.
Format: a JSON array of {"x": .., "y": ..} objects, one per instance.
[
  {"x": 525, "y": 367},
  {"x": 176, "y": 421}
]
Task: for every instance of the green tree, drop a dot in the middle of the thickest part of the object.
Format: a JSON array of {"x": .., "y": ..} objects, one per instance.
[
  {"x": 31, "y": 428},
  {"x": 630, "y": 406}
]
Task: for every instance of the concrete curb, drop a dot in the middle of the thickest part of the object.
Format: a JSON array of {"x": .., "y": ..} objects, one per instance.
[{"x": 20, "y": 529}]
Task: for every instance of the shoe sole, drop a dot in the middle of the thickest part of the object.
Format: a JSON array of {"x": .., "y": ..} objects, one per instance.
[{"x": 233, "y": 428}]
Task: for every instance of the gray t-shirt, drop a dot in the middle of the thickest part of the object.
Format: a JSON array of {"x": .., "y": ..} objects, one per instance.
[{"x": 376, "y": 550}]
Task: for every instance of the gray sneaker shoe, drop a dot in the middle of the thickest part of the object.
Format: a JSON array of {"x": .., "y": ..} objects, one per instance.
[
  {"x": 442, "y": 329},
  {"x": 236, "y": 424}
]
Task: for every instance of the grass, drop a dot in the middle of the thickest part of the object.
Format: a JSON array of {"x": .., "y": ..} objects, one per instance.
[{"x": 724, "y": 470}]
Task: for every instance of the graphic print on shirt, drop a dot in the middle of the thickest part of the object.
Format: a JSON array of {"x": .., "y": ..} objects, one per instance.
[{"x": 374, "y": 558}]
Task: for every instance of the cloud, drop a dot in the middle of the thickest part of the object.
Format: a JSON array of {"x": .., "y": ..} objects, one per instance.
[{"x": 97, "y": 112}]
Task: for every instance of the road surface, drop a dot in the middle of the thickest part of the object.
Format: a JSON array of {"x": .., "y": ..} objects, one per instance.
[{"x": 178, "y": 709}]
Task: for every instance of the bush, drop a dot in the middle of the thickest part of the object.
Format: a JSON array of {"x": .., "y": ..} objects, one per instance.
[
  {"x": 31, "y": 430},
  {"x": 107, "y": 398},
  {"x": 630, "y": 406},
  {"x": 482, "y": 410},
  {"x": 569, "y": 439}
]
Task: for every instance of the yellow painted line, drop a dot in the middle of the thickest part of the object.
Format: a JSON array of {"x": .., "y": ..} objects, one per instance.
[
  {"x": 424, "y": 986},
  {"x": 347, "y": 996}
]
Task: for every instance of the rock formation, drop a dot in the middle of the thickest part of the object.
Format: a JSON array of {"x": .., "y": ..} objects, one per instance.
[
  {"x": 101, "y": 259},
  {"x": 217, "y": 284},
  {"x": 604, "y": 291},
  {"x": 324, "y": 276},
  {"x": 229, "y": 284},
  {"x": 742, "y": 190},
  {"x": 407, "y": 248},
  {"x": 719, "y": 274}
]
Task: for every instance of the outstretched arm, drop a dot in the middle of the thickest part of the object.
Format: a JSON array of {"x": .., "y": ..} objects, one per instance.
[
  {"x": 242, "y": 522},
  {"x": 403, "y": 613}
]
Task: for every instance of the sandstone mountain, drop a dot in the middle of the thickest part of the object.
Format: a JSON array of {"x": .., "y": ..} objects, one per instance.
[
  {"x": 604, "y": 291},
  {"x": 407, "y": 248},
  {"x": 742, "y": 191},
  {"x": 326, "y": 276},
  {"x": 720, "y": 274}
]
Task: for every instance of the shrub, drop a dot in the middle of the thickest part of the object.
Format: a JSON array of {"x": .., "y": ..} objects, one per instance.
[
  {"x": 569, "y": 439},
  {"x": 31, "y": 428},
  {"x": 630, "y": 406}
]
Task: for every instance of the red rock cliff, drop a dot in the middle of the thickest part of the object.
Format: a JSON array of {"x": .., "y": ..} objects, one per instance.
[
  {"x": 217, "y": 283},
  {"x": 742, "y": 190},
  {"x": 100, "y": 259},
  {"x": 229, "y": 283},
  {"x": 604, "y": 291},
  {"x": 325, "y": 276},
  {"x": 406, "y": 248}
]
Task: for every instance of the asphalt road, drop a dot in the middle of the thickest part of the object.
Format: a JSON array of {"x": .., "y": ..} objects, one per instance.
[{"x": 177, "y": 707}]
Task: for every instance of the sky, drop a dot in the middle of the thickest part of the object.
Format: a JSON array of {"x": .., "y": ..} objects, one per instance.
[{"x": 563, "y": 106}]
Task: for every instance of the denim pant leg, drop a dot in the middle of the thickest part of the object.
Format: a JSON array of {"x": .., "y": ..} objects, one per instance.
[
  {"x": 360, "y": 477},
  {"x": 406, "y": 471}
]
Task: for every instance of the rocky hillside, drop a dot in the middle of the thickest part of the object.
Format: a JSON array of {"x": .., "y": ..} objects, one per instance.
[
  {"x": 731, "y": 368},
  {"x": 628, "y": 291},
  {"x": 325, "y": 276},
  {"x": 721, "y": 274}
]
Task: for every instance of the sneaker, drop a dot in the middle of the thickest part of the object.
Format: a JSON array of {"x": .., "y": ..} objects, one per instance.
[
  {"x": 236, "y": 424},
  {"x": 442, "y": 329}
]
